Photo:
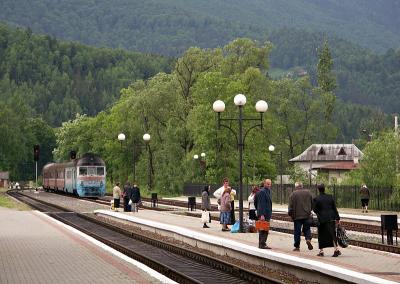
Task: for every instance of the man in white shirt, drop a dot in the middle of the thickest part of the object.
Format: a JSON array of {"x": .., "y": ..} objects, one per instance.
[{"x": 219, "y": 191}]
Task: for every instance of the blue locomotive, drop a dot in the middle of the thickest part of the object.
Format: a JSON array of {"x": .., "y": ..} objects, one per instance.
[{"x": 85, "y": 176}]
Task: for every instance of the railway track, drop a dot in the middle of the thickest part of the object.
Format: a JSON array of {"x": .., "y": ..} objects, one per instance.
[{"x": 177, "y": 263}]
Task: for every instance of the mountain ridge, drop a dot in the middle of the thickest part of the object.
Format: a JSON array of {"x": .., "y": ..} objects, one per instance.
[{"x": 169, "y": 27}]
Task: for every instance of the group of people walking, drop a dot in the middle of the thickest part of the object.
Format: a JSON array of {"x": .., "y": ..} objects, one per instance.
[
  {"x": 301, "y": 204},
  {"x": 130, "y": 195}
]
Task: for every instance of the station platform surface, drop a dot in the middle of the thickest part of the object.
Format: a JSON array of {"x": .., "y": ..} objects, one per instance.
[
  {"x": 356, "y": 264},
  {"x": 372, "y": 215},
  {"x": 37, "y": 249}
]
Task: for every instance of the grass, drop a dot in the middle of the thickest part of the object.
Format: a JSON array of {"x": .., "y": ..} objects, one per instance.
[{"x": 7, "y": 202}]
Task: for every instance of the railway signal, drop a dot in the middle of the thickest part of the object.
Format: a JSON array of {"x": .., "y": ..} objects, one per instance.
[
  {"x": 72, "y": 155},
  {"x": 36, "y": 152}
]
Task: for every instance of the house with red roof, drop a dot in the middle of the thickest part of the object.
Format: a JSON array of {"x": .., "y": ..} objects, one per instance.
[{"x": 333, "y": 159}]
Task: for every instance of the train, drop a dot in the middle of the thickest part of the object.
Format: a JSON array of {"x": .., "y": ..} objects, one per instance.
[{"x": 84, "y": 177}]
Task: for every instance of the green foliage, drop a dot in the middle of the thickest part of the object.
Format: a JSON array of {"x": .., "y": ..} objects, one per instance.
[
  {"x": 172, "y": 26},
  {"x": 60, "y": 79},
  {"x": 362, "y": 77},
  {"x": 380, "y": 163},
  {"x": 325, "y": 79},
  {"x": 176, "y": 109},
  {"x": 298, "y": 174},
  {"x": 19, "y": 133}
]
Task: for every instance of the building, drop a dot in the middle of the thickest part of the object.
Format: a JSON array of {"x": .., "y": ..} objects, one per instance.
[
  {"x": 4, "y": 179},
  {"x": 333, "y": 159}
]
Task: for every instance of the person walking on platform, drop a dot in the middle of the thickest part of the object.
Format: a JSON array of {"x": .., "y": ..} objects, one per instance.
[
  {"x": 127, "y": 196},
  {"x": 205, "y": 203},
  {"x": 263, "y": 204},
  {"x": 364, "y": 196},
  {"x": 328, "y": 217},
  {"x": 225, "y": 216},
  {"x": 300, "y": 206},
  {"x": 250, "y": 199},
  {"x": 116, "y": 196},
  {"x": 135, "y": 197}
]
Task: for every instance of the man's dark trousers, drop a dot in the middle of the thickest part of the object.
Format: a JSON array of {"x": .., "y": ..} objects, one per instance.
[
  {"x": 127, "y": 207},
  {"x": 262, "y": 238},
  {"x": 305, "y": 223}
]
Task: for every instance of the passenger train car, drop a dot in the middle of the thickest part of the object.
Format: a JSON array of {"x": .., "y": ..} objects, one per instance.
[{"x": 85, "y": 176}]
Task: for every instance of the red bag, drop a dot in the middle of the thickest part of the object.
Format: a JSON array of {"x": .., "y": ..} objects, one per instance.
[{"x": 262, "y": 225}]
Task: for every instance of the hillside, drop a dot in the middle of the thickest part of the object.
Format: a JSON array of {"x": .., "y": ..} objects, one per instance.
[
  {"x": 59, "y": 79},
  {"x": 363, "y": 77},
  {"x": 171, "y": 26}
]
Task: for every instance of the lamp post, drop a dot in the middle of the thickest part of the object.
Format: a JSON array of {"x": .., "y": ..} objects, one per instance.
[
  {"x": 146, "y": 138},
  {"x": 202, "y": 162},
  {"x": 240, "y": 101},
  {"x": 271, "y": 149},
  {"x": 121, "y": 139}
]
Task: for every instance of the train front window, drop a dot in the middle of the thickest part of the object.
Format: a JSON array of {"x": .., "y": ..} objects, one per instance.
[
  {"x": 83, "y": 171},
  {"x": 91, "y": 171},
  {"x": 100, "y": 171}
]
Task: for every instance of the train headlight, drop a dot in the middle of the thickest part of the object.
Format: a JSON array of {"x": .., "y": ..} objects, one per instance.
[
  {"x": 81, "y": 183},
  {"x": 101, "y": 183}
]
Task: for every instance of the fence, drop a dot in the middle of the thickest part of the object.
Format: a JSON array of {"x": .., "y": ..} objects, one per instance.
[{"x": 345, "y": 196}]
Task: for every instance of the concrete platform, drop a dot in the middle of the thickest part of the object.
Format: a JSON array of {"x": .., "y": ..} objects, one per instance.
[
  {"x": 37, "y": 249},
  {"x": 356, "y": 264}
]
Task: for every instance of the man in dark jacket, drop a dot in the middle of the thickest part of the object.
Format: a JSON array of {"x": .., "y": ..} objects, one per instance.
[
  {"x": 135, "y": 197},
  {"x": 300, "y": 206},
  {"x": 263, "y": 204}
]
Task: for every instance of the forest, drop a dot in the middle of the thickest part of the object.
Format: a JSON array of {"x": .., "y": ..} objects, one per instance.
[
  {"x": 176, "y": 110},
  {"x": 365, "y": 51},
  {"x": 59, "y": 79},
  {"x": 96, "y": 93},
  {"x": 170, "y": 27},
  {"x": 44, "y": 82}
]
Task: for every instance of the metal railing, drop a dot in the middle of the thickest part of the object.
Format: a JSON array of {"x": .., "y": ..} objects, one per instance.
[{"x": 345, "y": 196}]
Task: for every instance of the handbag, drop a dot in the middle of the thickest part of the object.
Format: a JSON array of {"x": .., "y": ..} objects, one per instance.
[
  {"x": 313, "y": 220},
  {"x": 262, "y": 225},
  {"x": 342, "y": 238},
  {"x": 130, "y": 202},
  {"x": 205, "y": 216}
]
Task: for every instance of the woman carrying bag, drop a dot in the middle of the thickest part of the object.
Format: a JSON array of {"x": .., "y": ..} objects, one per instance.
[
  {"x": 328, "y": 218},
  {"x": 205, "y": 206},
  {"x": 252, "y": 208}
]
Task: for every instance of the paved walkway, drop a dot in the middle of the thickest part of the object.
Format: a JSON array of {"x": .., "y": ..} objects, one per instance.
[
  {"x": 36, "y": 249},
  {"x": 369, "y": 262}
]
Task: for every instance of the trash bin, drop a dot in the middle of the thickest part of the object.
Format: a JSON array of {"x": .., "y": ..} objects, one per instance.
[
  {"x": 192, "y": 203},
  {"x": 389, "y": 223},
  {"x": 154, "y": 200}
]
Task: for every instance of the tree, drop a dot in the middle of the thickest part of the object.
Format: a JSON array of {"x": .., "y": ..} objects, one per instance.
[
  {"x": 327, "y": 84},
  {"x": 381, "y": 161}
]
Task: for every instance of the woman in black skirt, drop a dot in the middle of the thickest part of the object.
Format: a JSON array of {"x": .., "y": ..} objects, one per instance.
[{"x": 328, "y": 217}]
